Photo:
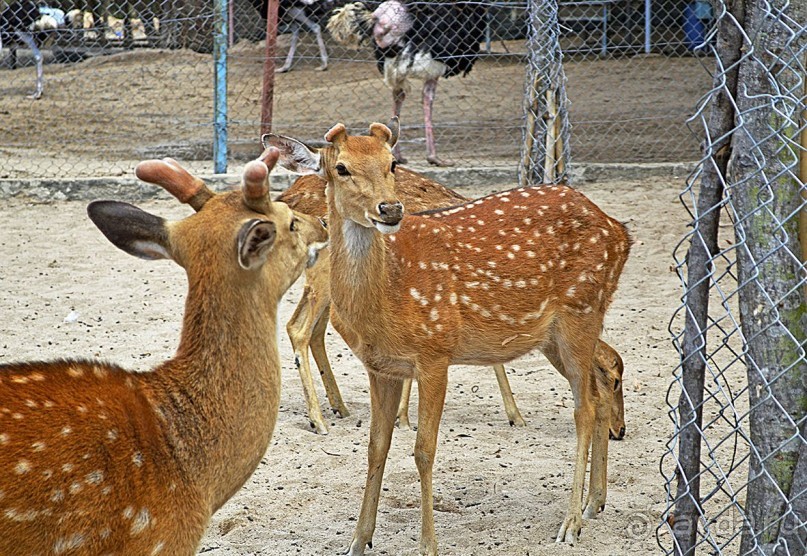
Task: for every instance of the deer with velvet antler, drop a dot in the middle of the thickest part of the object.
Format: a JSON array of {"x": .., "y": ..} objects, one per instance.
[{"x": 100, "y": 460}]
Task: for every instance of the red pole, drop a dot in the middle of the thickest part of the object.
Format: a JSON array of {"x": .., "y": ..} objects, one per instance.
[{"x": 267, "y": 94}]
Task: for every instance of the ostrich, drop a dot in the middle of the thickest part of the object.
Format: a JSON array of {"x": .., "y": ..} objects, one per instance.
[
  {"x": 420, "y": 40},
  {"x": 300, "y": 12},
  {"x": 24, "y": 22}
]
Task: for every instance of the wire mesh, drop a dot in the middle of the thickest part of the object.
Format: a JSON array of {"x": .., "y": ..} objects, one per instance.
[
  {"x": 124, "y": 80},
  {"x": 736, "y": 465}
]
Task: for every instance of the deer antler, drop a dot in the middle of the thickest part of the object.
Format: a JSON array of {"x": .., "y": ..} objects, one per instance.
[
  {"x": 256, "y": 181},
  {"x": 168, "y": 174}
]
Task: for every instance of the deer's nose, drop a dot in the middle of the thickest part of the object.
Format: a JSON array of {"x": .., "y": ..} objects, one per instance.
[{"x": 390, "y": 213}]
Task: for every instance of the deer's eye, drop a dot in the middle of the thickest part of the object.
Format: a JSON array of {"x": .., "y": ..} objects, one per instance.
[
  {"x": 294, "y": 225},
  {"x": 393, "y": 166},
  {"x": 341, "y": 169}
]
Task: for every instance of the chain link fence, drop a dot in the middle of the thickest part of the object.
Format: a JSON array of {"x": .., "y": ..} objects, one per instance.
[
  {"x": 124, "y": 80},
  {"x": 736, "y": 466}
]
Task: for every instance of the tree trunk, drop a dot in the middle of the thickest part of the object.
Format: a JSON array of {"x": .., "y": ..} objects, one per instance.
[
  {"x": 773, "y": 309},
  {"x": 699, "y": 267}
]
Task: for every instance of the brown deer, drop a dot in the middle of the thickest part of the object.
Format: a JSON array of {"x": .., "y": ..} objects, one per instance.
[
  {"x": 306, "y": 328},
  {"x": 99, "y": 460},
  {"x": 481, "y": 283}
]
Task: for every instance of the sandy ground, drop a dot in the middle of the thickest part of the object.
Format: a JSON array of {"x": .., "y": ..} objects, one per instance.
[
  {"x": 499, "y": 490},
  {"x": 99, "y": 117}
]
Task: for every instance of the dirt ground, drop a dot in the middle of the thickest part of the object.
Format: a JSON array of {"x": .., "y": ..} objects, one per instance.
[
  {"x": 99, "y": 117},
  {"x": 498, "y": 489}
]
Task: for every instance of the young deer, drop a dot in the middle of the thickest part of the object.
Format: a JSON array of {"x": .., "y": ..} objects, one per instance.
[
  {"x": 481, "y": 283},
  {"x": 306, "y": 329},
  {"x": 99, "y": 460}
]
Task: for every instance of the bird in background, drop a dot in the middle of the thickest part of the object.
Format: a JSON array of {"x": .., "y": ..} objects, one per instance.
[{"x": 414, "y": 40}]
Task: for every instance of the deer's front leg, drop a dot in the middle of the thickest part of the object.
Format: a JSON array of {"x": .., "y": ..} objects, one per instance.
[
  {"x": 299, "y": 329},
  {"x": 385, "y": 393},
  {"x": 432, "y": 381}
]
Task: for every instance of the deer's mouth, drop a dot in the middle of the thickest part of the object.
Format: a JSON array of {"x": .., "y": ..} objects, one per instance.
[{"x": 386, "y": 227}]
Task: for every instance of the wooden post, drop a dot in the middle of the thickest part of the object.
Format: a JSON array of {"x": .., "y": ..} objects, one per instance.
[
  {"x": 268, "y": 92},
  {"x": 551, "y": 138}
]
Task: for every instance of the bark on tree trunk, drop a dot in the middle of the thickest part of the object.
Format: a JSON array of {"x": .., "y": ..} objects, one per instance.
[{"x": 773, "y": 310}]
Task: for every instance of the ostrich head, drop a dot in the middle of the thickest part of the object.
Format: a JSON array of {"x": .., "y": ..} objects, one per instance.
[{"x": 391, "y": 23}]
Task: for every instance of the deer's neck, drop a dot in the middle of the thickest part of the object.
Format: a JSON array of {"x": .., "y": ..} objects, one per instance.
[
  {"x": 359, "y": 270},
  {"x": 218, "y": 397}
]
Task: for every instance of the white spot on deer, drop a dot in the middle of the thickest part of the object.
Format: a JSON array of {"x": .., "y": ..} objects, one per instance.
[
  {"x": 423, "y": 265},
  {"x": 23, "y": 466},
  {"x": 128, "y": 512},
  {"x": 75, "y": 372},
  {"x": 471, "y": 229},
  {"x": 104, "y": 533},
  {"x": 423, "y": 226},
  {"x": 68, "y": 543},
  {"x": 604, "y": 232},
  {"x": 605, "y": 255},
  {"x": 435, "y": 230},
  {"x": 57, "y": 495},
  {"x": 94, "y": 477},
  {"x": 583, "y": 277},
  {"x": 112, "y": 434},
  {"x": 563, "y": 207},
  {"x": 533, "y": 281},
  {"x": 498, "y": 211},
  {"x": 31, "y": 403},
  {"x": 392, "y": 238},
  {"x": 585, "y": 211},
  {"x": 3, "y": 438},
  {"x": 502, "y": 233},
  {"x": 479, "y": 202},
  {"x": 504, "y": 199},
  {"x": 593, "y": 239},
  {"x": 16, "y": 415},
  {"x": 141, "y": 521},
  {"x": 515, "y": 247},
  {"x": 75, "y": 488},
  {"x": 587, "y": 309},
  {"x": 434, "y": 314},
  {"x": 157, "y": 548},
  {"x": 38, "y": 446},
  {"x": 562, "y": 194},
  {"x": 576, "y": 247},
  {"x": 38, "y": 377},
  {"x": 507, "y": 318},
  {"x": 525, "y": 194},
  {"x": 452, "y": 298},
  {"x": 81, "y": 408},
  {"x": 137, "y": 459},
  {"x": 570, "y": 292},
  {"x": 561, "y": 264},
  {"x": 19, "y": 379},
  {"x": 521, "y": 284},
  {"x": 550, "y": 230},
  {"x": 531, "y": 254},
  {"x": 507, "y": 283},
  {"x": 527, "y": 221},
  {"x": 511, "y": 255},
  {"x": 106, "y": 490},
  {"x": 598, "y": 267},
  {"x": 541, "y": 192}
]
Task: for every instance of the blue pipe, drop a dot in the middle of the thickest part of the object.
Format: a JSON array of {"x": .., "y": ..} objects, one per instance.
[{"x": 220, "y": 87}]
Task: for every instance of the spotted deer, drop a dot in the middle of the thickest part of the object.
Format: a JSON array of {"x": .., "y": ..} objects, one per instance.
[
  {"x": 96, "y": 459},
  {"x": 480, "y": 283},
  {"x": 306, "y": 328}
]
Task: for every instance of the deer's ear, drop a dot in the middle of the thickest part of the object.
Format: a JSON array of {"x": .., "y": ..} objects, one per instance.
[
  {"x": 255, "y": 240},
  {"x": 295, "y": 156},
  {"x": 131, "y": 229}
]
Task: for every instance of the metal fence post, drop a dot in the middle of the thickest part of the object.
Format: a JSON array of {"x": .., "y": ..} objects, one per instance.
[{"x": 220, "y": 41}]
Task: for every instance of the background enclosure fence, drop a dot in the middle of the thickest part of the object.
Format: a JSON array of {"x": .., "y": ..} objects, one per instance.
[
  {"x": 132, "y": 79},
  {"x": 736, "y": 469}
]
